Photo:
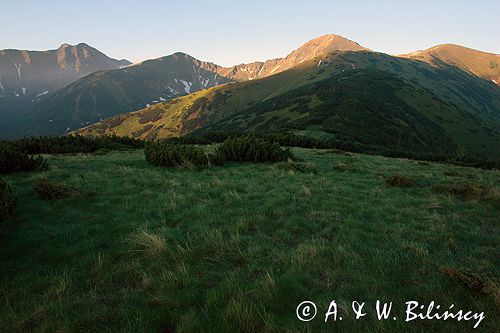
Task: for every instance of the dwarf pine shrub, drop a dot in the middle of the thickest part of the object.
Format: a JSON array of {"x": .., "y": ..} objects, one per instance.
[
  {"x": 175, "y": 155},
  {"x": 249, "y": 148},
  {"x": 73, "y": 144},
  {"x": 8, "y": 200},
  {"x": 56, "y": 144},
  {"x": 14, "y": 160}
]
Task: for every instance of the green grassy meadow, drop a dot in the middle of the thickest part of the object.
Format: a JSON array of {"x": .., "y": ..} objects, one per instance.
[{"x": 236, "y": 248}]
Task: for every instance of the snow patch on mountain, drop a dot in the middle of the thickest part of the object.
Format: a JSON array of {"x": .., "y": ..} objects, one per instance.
[
  {"x": 173, "y": 91},
  {"x": 203, "y": 81},
  {"x": 41, "y": 94},
  {"x": 18, "y": 67},
  {"x": 187, "y": 86}
]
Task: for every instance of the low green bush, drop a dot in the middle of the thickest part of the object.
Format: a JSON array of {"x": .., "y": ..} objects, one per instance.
[
  {"x": 73, "y": 144},
  {"x": 8, "y": 201},
  {"x": 283, "y": 139},
  {"x": 118, "y": 142},
  {"x": 175, "y": 155},
  {"x": 56, "y": 144},
  {"x": 345, "y": 144},
  {"x": 14, "y": 160},
  {"x": 249, "y": 148},
  {"x": 294, "y": 140},
  {"x": 187, "y": 140}
]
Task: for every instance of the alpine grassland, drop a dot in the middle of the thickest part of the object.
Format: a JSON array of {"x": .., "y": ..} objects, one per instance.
[{"x": 106, "y": 242}]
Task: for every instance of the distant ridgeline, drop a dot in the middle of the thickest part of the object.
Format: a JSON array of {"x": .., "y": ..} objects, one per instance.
[{"x": 28, "y": 77}]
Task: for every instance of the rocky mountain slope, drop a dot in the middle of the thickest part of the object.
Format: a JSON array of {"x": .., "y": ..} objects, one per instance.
[{"x": 313, "y": 48}]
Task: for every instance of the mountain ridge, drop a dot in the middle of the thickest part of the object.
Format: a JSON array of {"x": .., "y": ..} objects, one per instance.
[
  {"x": 479, "y": 63},
  {"x": 103, "y": 94},
  {"x": 27, "y": 77},
  {"x": 28, "y": 73},
  {"x": 51, "y": 117},
  {"x": 313, "y": 48}
]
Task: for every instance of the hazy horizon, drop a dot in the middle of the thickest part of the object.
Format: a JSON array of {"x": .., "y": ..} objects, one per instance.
[{"x": 228, "y": 34}]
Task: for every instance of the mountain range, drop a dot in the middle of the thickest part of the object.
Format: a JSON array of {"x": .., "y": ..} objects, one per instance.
[
  {"x": 105, "y": 94},
  {"x": 27, "y": 77},
  {"x": 33, "y": 73},
  {"x": 443, "y": 100},
  {"x": 368, "y": 99}
]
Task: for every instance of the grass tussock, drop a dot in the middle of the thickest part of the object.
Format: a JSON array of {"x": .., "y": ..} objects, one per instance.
[
  {"x": 33, "y": 320},
  {"x": 302, "y": 167},
  {"x": 346, "y": 165},
  {"x": 400, "y": 181},
  {"x": 476, "y": 282},
  {"x": 339, "y": 152},
  {"x": 239, "y": 316},
  {"x": 464, "y": 191},
  {"x": 47, "y": 190},
  {"x": 147, "y": 243}
]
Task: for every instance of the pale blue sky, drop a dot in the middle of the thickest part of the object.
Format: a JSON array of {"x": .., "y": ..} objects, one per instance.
[{"x": 232, "y": 32}]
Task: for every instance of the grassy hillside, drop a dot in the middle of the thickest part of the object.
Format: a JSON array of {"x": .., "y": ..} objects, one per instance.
[
  {"x": 479, "y": 63},
  {"x": 375, "y": 100},
  {"x": 236, "y": 248}
]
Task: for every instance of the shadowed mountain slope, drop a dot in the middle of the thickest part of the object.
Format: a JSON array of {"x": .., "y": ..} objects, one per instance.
[{"x": 27, "y": 77}]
